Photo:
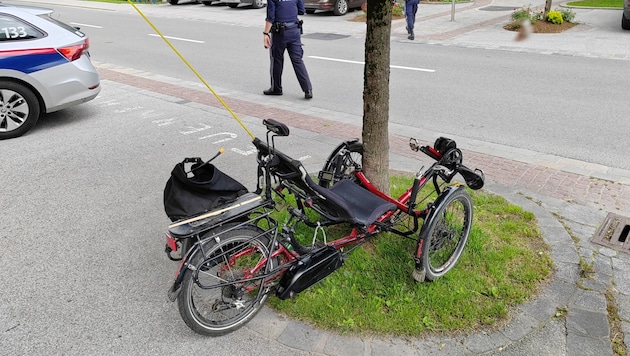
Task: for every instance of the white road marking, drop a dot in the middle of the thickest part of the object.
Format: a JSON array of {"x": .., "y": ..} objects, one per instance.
[
  {"x": 177, "y": 38},
  {"x": 85, "y": 25},
  {"x": 357, "y": 62}
]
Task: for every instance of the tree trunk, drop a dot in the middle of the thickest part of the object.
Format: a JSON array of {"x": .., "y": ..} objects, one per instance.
[
  {"x": 547, "y": 6},
  {"x": 376, "y": 93}
]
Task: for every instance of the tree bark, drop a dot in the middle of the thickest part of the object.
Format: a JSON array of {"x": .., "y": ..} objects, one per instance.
[
  {"x": 547, "y": 6},
  {"x": 376, "y": 93}
]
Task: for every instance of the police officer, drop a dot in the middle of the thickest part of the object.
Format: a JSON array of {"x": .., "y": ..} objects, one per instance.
[
  {"x": 282, "y": 31},
  {"x": 411, "y": 8}
]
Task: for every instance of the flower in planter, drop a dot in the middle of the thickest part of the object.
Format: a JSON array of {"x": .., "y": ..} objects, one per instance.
[
  {"x": 554, "y": 16},
  {"x": 397, "y": 10}
]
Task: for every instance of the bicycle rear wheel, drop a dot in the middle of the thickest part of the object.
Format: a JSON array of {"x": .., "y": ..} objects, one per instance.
[
  {"x": 444, "y": 235},
  {"x": 342, "y": 163},
  {"x": 210, "y": 309}
]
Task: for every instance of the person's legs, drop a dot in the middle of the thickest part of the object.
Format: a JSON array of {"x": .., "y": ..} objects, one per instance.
[
  {"x": 276, "y": 53},
  {"x": 411, "y": 8},
  {"x": 294, "y": 47}
]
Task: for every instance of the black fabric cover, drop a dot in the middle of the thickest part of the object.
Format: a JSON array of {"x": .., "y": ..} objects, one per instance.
[{"x": 201, "y": 188}]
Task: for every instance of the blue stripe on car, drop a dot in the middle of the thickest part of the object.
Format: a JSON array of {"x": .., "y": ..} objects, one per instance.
[{"x": 29, "y": 61}]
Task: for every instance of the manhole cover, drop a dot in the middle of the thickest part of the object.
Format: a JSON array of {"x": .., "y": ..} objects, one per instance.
[
  {"x": 325, "y": 36},
  {"x": 613, "y": 233},
  {"x": 497, "y": 8}
]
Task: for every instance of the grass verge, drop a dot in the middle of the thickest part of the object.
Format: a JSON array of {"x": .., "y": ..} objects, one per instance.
[
  {"x": 617, "y": 4},
  {"x": 503, "y": 265}
]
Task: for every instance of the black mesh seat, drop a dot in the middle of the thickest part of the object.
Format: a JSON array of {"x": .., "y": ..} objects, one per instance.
[{"x": 360, "y": 206}]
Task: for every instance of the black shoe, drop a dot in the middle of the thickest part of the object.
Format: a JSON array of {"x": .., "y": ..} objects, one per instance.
[
  {"x": 272, "y": 92},
  {"x": 308, "y": 94},
  {"x": 410, "y": 35}
]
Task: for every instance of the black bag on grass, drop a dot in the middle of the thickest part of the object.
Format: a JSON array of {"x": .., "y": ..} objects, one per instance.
[{"x": 199, "y": 188}]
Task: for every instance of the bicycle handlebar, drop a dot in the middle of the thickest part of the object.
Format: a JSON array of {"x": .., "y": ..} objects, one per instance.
[{"x": 448, "y": 155}]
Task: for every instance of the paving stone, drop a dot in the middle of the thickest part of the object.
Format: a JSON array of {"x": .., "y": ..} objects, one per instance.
[
  {"x": 622, "y": 281},
  {"x": 586, "y": 250},
  {"x": 588, "y": 322},
  {"x": 592, "y": 284},
  {"x": 591, "y": 300},
  {"x": 582, "y": 345},
  {"x": 623, "y": 305},
  {"x": 625, "y": 328},
  {"x": 561, "y": 291},
  {"x": 268, "y": 323},
  {"x": 550, "y": 340},
  {"x": 583, "y": 215},
  {"x": 564, "y": 253},
  {"x": 567, "y": 271},
  {"x": 607, "y": 251},
  {"x": 300, "y": 336},
  {"x": 541, "y": 308},
  {"x": 394, "y": 347},
  {"x": 442, "y": 347},
  {"x": 344, "y": 345},
  {"x": 619, "y": 263},
  {"x": 603, "y": 264},
  {"x": 520, "y": 326},
  {"x": 484, "y": 342},
  {"x": 603, "y": 278},
  {"x": 556, "y": 235}
]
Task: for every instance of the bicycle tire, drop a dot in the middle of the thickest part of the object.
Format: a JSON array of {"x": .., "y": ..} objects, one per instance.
[
  {"x": 221, "y": 310},
  {"x": 444, "y": 234},
  {"x": 343, "y": 166}
]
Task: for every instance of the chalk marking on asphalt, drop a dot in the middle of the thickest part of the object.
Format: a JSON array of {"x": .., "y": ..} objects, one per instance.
[
  {"x": 85, "y": 25},
  {"x": 358, "y": 62},
  {"x": 177, "y": 38}
]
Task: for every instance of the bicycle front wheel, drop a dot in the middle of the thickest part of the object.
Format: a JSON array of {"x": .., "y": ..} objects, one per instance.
[
  {"x": 223, "y": 294},
  {"x": 445, "y": 234}
]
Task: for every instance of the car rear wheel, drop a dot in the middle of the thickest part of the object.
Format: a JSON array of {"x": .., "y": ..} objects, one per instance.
[
  {"x": 19, "y": 109},
  {"x": 257, "y": 4},
  {"x": 173, "y": 2},
  {"x": 207, "y": 3},
  {"x": 625, "y": 22},
  {"x": 310, "y": 11},
  {"x": 341, "y": 7}
]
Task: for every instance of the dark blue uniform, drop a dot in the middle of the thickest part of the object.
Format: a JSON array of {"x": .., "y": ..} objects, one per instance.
[
  {"x": 284, "y": 14},
  {"x": 411, "y": 8}
]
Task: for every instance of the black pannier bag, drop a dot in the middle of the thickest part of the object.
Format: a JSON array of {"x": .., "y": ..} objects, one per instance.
[{"x": 201, "y": 188}]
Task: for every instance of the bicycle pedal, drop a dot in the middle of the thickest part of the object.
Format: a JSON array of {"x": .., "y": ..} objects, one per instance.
[{"x": 419, "y": 275}]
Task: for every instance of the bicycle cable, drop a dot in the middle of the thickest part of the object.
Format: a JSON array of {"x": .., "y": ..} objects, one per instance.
[{"x": 193, "y": 70}]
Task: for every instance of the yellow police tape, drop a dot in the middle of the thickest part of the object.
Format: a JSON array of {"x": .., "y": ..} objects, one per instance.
[{"x": 193, "y": 70}]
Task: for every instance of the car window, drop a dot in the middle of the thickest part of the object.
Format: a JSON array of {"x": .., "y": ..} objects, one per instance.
[
  {"x": 63, "y": 25},
  {"x": 13, "y": 29}
]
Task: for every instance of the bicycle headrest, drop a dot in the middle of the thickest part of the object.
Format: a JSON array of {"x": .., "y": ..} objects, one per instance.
[{"x": 276, "y": 127}]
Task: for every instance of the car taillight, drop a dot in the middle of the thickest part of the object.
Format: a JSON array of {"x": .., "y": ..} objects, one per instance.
[{"x": 72, "y": 53}]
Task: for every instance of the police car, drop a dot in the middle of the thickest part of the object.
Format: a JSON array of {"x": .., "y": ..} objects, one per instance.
[{"x": 44, "y": 67}]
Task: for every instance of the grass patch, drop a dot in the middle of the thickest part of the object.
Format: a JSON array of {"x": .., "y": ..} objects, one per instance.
[
  {"x": 616, "y": 4},
  {"x": 504, "y": 262}
]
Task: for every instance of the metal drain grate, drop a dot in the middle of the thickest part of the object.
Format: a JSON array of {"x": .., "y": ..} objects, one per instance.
[{"x": 613, "y": 233}]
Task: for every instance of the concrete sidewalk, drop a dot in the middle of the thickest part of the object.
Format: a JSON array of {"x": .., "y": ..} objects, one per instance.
[{"x": 570, "y": 198}]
